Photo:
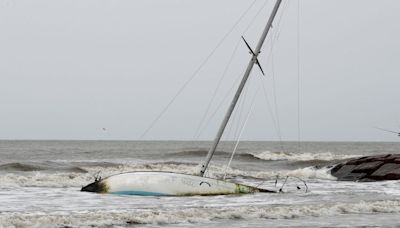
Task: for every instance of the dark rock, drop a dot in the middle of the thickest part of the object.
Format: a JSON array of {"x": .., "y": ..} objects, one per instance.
[
  {"x": 393, "y": 175},
  {"x": 369, "y": 168},
  {"x": 335, "y": 168},
  {"x": 385, "y": 169},
  {"x": 345, "y": 170}
]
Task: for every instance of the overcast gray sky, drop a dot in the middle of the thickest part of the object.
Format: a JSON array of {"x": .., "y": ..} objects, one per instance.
[{"x": 69, "y": 68}]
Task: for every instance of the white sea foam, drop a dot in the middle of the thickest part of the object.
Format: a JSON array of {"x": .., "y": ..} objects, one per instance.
[
  {"x": 303, "y": 173},
  {"x": 205, "y": 214},
  {"x": 276, "y": 156},
  {"x": 308, "y": 173}
]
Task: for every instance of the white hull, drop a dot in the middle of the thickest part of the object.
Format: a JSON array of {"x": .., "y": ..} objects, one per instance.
[{"x": 166, "y": 184}]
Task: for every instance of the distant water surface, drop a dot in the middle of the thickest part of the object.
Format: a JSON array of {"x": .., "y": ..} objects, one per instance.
[{"x": 40, "y": 183}]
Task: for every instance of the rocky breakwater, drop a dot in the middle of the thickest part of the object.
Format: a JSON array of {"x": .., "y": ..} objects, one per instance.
[{"x": 369, "y": 168}]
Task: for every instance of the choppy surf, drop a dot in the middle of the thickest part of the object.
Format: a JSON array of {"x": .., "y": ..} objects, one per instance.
[
  {"x": 40, "y": 183},
  {"x": 193, "y": 215}
]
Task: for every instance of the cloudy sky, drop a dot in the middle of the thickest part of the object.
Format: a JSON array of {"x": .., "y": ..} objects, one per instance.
[{"x": 70, "y": 68}]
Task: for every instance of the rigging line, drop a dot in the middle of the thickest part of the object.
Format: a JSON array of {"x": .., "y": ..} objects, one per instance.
[
  {"x": 279, "y": 28},
  {"x": 235, "y": 122},
  {"x": 274, "y": 38},
  {"x": 275, "y": 35},
  {"x": 298, "y": 77},
  {"x": 238, "y": 113},
  {"x": 238, "y": 117},
  {"x": 229, "y": 133},
  {"x": 255, "y": 16},
  {"x": 276, "y": 102},
  {"x": 271, "y": 112},
  {"x": 216, "y": 90},
  {"x": 284, "y": 9},
  {"x": 197, "y": 134},
  {"x": 241, "y": 108},
  {"x": 221, "y": 103},
  {"x": 241, "y": 131},
  {"x": 196, "y": 71}
]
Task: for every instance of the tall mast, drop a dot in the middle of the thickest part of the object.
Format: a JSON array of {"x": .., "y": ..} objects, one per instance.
[{"x": 228, "y": 114}]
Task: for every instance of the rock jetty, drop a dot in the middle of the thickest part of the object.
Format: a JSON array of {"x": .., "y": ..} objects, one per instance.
[{"x": 369, "y": 168}]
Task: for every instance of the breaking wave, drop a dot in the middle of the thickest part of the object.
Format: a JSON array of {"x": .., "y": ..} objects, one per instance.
[
  {"x": 278, "y": 156},
  {"x": 203, "y": 153},
  {"x": 165, "y": 216},
  {"x": 298, "y": 159},
  {"x": 303, "y": 173}
]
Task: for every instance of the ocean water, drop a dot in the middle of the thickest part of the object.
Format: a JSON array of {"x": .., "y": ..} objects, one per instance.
[{"x": 40, "y": 185}]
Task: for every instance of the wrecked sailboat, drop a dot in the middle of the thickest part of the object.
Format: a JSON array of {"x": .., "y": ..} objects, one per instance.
[
  {"x": 177, "y": 184},
  {"x": 166, "y": 184}
]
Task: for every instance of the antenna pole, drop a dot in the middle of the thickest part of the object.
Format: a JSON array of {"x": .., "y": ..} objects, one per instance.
[{"x": 228, "y": 114}]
